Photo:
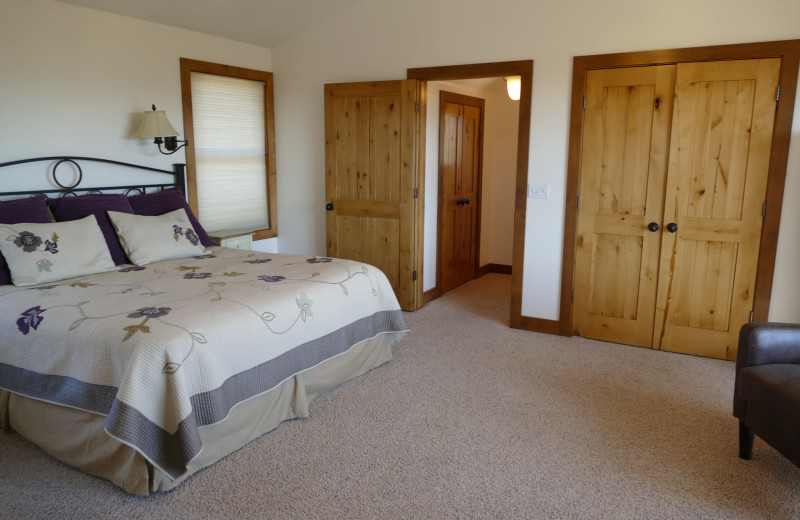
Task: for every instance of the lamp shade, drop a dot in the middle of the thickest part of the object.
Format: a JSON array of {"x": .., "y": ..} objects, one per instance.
[
  {"x": 513, "y": 86},
  {"x": 155, "y": 124}
]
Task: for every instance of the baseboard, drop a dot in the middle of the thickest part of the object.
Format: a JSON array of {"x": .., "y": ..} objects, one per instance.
[
  {"x": 430, "y": 295},
  {"x": 492, "y": 268},
  {"x": 540, "y": 325}
]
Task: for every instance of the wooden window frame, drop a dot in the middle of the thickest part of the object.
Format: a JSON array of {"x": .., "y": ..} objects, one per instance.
[
  {"x": 788, "y": 51},
  {"x": 187, "y": 67}
]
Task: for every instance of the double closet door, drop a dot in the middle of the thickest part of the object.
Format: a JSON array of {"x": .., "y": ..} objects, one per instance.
[{"x": 674, "y": 168}]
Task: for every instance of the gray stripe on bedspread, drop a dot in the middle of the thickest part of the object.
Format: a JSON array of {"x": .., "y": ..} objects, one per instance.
[
  {"x": 62, "y": 390},
  {"x": 213, "y": 406},
  {"x": 172, "y": 452}
]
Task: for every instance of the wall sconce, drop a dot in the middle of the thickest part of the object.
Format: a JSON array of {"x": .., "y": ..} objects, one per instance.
[
  {"x": 155, "y": 124},
  {"x": 513, "y": 86}
]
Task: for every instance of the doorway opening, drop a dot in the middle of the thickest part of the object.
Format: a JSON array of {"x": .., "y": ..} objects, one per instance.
[
  {"x": 476, "y": 127},
  {"x": 491, "y": 72}
]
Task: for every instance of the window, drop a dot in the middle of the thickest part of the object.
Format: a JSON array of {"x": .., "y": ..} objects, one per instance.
[{"x": 230, "y": 161}]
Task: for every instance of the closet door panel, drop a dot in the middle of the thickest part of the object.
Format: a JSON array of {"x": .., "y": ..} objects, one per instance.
[
  {"x": 623, "y": 168},
  {"x": 718, "y": 165}
]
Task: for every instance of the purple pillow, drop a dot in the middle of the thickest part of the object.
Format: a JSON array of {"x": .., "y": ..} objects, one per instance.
[
  {"x": 160, "y": 202},
  {"x": 19, "y": 211},
  {"x": 73, "y": 208}
]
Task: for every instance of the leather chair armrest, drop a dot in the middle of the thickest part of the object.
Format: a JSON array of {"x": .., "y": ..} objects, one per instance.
[
  {"x": 768, "y": 344},
  {"x": 764, "y": 343}
]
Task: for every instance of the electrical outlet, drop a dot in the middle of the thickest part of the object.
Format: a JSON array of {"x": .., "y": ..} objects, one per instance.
[{"x": 538, "y": 191}]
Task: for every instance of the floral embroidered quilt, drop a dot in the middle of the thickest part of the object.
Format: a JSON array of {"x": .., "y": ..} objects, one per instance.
[{"x": 166, "y": 348}]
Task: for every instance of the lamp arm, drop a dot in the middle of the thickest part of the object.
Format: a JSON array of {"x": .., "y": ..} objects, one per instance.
[{"x": 170, "y": 143}]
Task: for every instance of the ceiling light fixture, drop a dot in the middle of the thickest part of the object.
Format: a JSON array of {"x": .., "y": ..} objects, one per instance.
[{"x": 513, "y": 86}]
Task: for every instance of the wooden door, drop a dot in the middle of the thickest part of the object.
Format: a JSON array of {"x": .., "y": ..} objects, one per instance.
[
  {"x": 371, "y": 179},
  {"x": 624, "y": 164},
  {"x": 460, "y": 158},
  {"x": 719, "y": 159}
]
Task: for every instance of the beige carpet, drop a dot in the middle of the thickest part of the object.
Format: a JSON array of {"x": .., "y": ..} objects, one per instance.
[{"x": 471, "y": 420}]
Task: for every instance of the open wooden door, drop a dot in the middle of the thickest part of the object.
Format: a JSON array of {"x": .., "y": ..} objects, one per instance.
[{"x": 371, "y": 186}]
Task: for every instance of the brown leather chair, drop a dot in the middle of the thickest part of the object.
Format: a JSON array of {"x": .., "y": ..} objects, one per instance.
[{"x": 766, "y": 396}]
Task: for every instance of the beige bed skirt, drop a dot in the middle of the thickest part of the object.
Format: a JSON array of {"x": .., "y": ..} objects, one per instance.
[{"x": 78, "y": 438}]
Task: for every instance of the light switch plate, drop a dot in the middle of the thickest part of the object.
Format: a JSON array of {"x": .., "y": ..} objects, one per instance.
[{"x": 538, "y": 191}]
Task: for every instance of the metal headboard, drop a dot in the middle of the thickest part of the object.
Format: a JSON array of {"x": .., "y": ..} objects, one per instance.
[{"x": 178, "y": 175}]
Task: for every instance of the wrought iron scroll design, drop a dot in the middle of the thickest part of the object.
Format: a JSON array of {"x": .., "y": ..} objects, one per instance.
[{"x": 178, "y": 174}]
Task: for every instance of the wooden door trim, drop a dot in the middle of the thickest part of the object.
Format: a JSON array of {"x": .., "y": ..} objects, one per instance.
[
  {"x": 524, "y": 69},
  {"x": 460, "y": 99},
  {"x": 788, "y": 51},
  {"x": 419, "y": 207}
]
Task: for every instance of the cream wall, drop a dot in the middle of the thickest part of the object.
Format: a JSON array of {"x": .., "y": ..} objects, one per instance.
[
  {"x": 499, "y": 171},
  {"x": 380, "y": 39},
  {"x": 499, "y": 175},
  {"x": 74, "y": 80}
]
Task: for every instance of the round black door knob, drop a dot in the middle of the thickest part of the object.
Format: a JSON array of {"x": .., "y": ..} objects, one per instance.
[
  {"x": 653, "y": 226},
  {"x": 672, "y": 227},
  {"x": 329, "y": 206},
  {"x": 466, "y": 201}
]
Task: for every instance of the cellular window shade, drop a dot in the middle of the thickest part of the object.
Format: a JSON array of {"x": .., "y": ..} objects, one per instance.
[{"x": 230, "y": 155}]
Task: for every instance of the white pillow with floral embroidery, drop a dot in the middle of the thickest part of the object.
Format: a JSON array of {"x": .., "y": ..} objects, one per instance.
[
  {"x": 162, "y": 237},
  {"x": 39, "y": 253}
]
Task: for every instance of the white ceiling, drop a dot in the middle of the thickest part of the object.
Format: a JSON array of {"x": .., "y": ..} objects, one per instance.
[{"x": 266, "y": 23}]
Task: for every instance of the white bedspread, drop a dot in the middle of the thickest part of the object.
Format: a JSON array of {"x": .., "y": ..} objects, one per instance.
[{"x": 169, "y": 347}]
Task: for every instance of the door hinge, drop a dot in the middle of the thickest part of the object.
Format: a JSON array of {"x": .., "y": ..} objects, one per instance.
[
  {"x": 751, "y": 316},
  {"x": 764, "y": 211},
  {"x": 416, "y": 192},
  {"x": 416, "y": 106},
  {"x": 573, "y": 296},
  {"x": 584, "y": 101},
  {"x": 414, "y": 278},
  {"x": 579, "y": 202},
  {"x": 778, "y": 95}
]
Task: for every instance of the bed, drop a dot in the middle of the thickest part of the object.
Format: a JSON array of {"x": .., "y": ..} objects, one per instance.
[{"x": 145, "y": 368}]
